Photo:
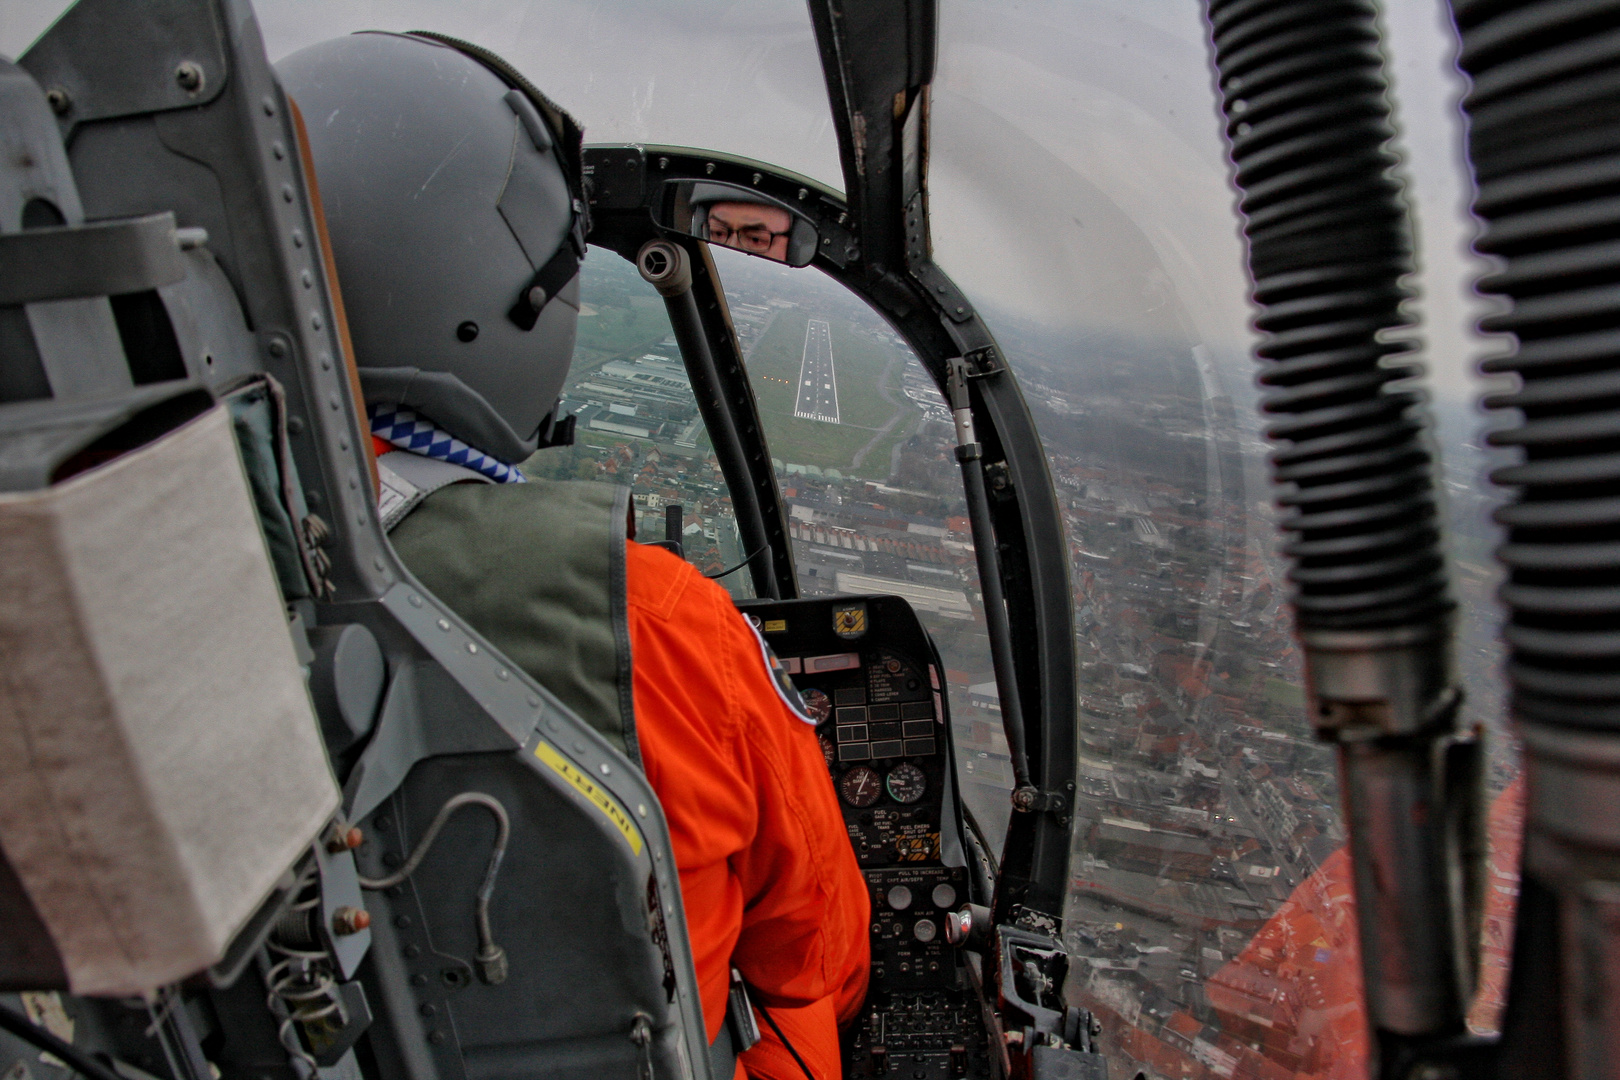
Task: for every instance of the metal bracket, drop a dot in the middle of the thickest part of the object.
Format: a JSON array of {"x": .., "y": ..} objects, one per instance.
[
  {"x": 103, "y": 258},
  {"x": 1032, "y": 800},
  {"x": 984, "y": 362}
]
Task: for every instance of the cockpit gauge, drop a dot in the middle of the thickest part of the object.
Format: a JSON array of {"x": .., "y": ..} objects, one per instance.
[
  {"x": 817, "y": 704},
  {"x": 829, "y": 749},
  {"x": 861, "y": 786},
  {"x": 906, "y": 783}
]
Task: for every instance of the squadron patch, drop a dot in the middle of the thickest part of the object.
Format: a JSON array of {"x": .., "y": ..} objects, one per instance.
[
  {"x": 849, "y": 622},
  {"x": 778, "y": 672}
]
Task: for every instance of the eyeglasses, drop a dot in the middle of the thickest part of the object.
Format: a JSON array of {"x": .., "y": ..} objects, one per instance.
[{"x": 755, "y": 238}]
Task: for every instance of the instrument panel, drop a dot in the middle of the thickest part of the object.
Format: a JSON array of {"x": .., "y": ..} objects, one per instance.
[{"x": 871, "y": 679}]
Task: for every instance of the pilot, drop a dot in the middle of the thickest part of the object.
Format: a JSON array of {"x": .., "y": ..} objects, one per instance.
[
  {"x": 733, "y": 218},
  {"x": 444, "y": 180}
]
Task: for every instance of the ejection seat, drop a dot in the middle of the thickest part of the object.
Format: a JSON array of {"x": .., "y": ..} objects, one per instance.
[{"x": 165, "y": 283}]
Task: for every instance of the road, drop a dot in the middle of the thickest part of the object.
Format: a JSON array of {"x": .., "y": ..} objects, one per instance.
[{"x": 818, "y": 383}]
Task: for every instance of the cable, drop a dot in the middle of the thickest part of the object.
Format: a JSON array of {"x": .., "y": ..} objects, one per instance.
[
  {"x": 771, "y": 1020},
  {"x": 86, "y": 1066},
  {"x": 491, "y": 957},
  {"x": 751, "y": 557}
]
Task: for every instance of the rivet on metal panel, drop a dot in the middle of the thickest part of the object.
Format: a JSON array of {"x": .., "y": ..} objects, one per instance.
[
  {"x": 709, "y": 168},
  {"x": 436, "y": 1038},
  {"x": 57, "y": 98},
  {"x": 503, "y": 674},
  {"x": 414, "y": 600},
  {"x": 315, "y": 321},
  {"x": 444, "y": 624},
  {"x": 472, "y": 647},
  {"x": 641, "y": 808},
  {"x": 278, "y": 150},
  {"x": 277, "y": 347},
  {"x": 606, "y": 771},
  {"x": 269, "y": 106},
  {"x": 286, "y": 193},
  {"x": 298, "y": 238},
  {"x": 307, "y": 279}
]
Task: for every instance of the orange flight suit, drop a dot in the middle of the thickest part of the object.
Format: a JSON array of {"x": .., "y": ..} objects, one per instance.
[{"x": 768, "y": 878}]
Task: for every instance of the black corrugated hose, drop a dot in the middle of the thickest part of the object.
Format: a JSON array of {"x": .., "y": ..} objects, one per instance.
[
  {"x": 1329, "y": 239},
  {"x": 1303, "y": 91},
  {"x": 1545, "y": 143},
  {"x": 1544, "y": 114}
]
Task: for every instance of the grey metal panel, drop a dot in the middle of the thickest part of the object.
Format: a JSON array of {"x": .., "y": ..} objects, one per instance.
[
  {"x": 34, "y": 162},
  {"x": 140, "y": 49},
  {"x": 214, "y": 340}
]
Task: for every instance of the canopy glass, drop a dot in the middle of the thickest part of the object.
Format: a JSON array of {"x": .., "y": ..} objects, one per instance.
[{"x": 1080, "y": 195}]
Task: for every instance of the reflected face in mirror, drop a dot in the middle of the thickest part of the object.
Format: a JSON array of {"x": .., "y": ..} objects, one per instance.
[
  {"x": 751, "y": 227},
  {"x": 737, "y": 217}
]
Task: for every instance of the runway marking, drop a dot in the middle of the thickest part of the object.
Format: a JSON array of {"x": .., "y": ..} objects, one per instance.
[{"x": 816, "y": 367}]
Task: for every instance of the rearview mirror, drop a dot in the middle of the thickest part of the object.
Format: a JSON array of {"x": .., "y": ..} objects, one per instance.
[{"x": 737, "y": 217}]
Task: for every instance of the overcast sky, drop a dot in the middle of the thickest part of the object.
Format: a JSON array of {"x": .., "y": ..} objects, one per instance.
[{"x": 1078, "y": 172}]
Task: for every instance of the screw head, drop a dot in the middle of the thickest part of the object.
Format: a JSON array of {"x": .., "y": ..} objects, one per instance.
[
  {"x": 467, "y": 331},
  {"x": 190, "y": 77},
  {"x": 350, "y": 920},
  {"x": 57, "y": 98}
]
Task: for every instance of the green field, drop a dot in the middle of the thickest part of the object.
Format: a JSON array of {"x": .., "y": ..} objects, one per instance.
[
  {"x": 866, "y": 372},
  {"x": 632, "y": 325}
]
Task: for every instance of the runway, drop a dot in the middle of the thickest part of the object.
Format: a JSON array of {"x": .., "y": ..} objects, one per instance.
[{"x": 818, "y": 383}]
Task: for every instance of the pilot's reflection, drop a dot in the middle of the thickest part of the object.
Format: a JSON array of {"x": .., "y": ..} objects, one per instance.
[{"x": 729, "y": 217}]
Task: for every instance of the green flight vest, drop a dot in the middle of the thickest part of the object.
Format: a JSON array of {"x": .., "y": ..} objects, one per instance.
[{"x": 538, "y": 570}]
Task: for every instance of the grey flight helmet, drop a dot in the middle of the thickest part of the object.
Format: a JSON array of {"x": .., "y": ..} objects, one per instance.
[{"x": 452, "y": 192}]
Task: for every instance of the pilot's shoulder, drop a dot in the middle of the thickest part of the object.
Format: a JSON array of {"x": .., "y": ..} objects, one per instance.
[{"x": 662, "y": 584}]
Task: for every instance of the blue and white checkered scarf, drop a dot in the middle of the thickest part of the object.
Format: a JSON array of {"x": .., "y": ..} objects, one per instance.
[{"x": 407, "y": 430}]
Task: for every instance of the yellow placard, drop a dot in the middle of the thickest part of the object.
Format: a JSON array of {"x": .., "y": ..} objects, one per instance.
[
  {"x": 776, "y": 626},
  {"x": 583, "y": 784}
]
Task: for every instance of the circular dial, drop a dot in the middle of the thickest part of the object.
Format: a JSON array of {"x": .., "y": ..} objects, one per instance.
[
  {"x": 817, "y": 704},
  {"x": 906, "y": 783},
  {"x": 829, "y": 749},
  {"x": 860, "y": 786}
]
